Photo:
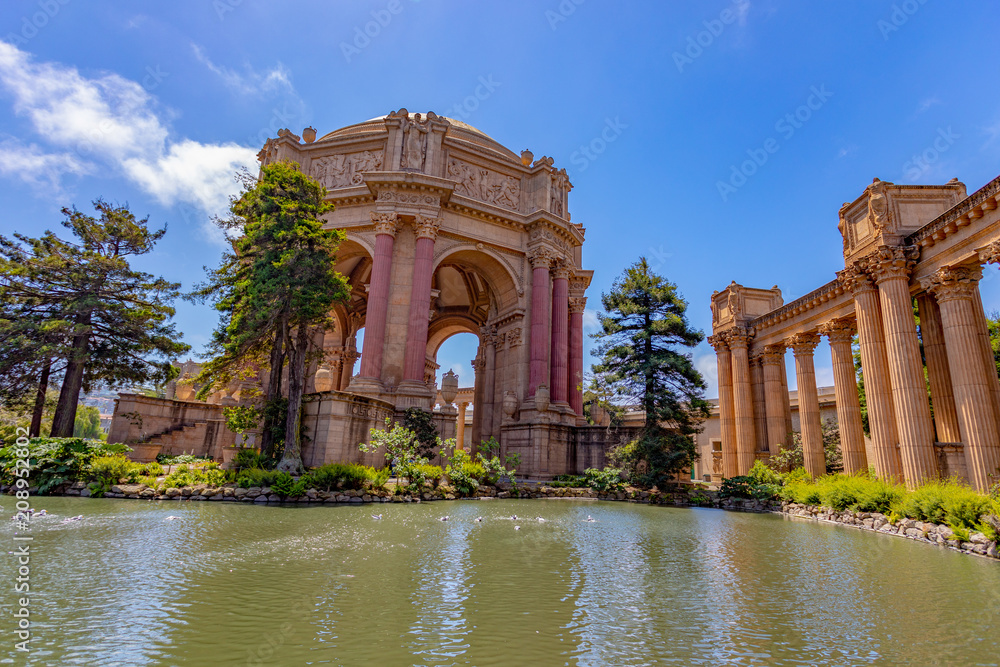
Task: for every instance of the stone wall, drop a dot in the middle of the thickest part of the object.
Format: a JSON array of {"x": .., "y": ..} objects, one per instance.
[
  {"x": 189, "y": 427},
  {"x": 335, "y": 423}
]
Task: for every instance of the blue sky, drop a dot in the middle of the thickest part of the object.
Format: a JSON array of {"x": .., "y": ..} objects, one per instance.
[{"x": 648, "y": 105}]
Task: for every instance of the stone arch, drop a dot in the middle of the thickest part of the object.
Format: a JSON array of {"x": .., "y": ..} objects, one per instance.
[{"x": 499, "y": 275}]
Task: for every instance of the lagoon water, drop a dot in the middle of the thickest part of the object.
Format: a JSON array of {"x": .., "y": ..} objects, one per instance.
[{"x": 237, "y": 584}]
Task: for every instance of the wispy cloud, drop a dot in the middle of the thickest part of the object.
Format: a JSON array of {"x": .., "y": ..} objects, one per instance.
[
  {"x": 113, "y": 121},
  {"x": 38, "y": 168},
  {"x": 250, "y": 82},
  {"x": 927, "y": 103}
]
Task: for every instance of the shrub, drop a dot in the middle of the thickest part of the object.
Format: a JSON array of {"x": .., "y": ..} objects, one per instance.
[
  {"x": 283, "y": 484},
  {"x": 248, "y": 458},
  {"x": 110, "y": 470},
  {"x": 180, "y": 459},
  {"x": 54, "y": 461},
  {"x": 340, "y": 476},
  {"x": 153, "y": 469},
  {"x": 255, "y": 477},
  {"x": 761, "y": 474},
  {"x": 608, "y": 479},
  {"x": 464, "y": 474},
  {"x": 427, "y": 473},
  {"x": 748, "y": 487}
]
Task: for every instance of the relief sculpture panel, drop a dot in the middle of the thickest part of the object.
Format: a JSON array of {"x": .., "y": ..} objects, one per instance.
[
  {"x": 342, "y": 171},
  {"x": 484, "y": 185}
]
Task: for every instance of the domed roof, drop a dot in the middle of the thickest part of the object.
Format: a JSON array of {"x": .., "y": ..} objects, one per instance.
[{"x": 458, "y": 128}]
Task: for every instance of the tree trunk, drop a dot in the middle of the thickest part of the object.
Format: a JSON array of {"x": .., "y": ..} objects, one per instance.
[
  {"x": 273, "y": 392},
  {"x": 69, "y": 396},
  {"x": 36, "y": 416},
  {"x": 291, "y": 460}
]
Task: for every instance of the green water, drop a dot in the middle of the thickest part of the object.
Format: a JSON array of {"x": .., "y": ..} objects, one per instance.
[{"x": 235, "y": 584}]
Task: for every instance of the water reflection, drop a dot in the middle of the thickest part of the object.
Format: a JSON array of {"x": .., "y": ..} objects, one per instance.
[{"x": 232, "y": 584}]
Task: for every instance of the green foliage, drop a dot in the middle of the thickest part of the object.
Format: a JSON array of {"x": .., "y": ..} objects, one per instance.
[
  {"x": 959, "y": 532},
  {"x": 342, "y": 476},
  {"x": 605, "y": 480},
  {"x": 251, "y": 477},
  {"x": 167, "y": 460},
  {"x": 88, "y": 423},
  {"x": 277, "y": 287},
  {"x": 568, "y": 482},
  {"x": 249, "y": 458},
  {"x": 496, "y": 469},
  {"x": 110, "y": 470},
  {"x": 791, "y": 457},
  {"x": 283, "y": 484},
  {"x": 640, "y": 345},
  {"x": 401, "y": 447},
  {"x": 465, "y": 474},
  {"x": 209, "y": 475},
  {"x": 85, "y": 306},
  {"x": 762, "y": 474},
  {"x": 421, "y": 423},
  {"x": 242, "y": 418},
  {"x": 748, "y": 487},
  {"x": 153, "y": 469},
  {"x": 54, "y": 461}
]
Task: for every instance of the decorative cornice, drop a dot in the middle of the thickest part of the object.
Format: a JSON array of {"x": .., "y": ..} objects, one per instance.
[{"x": 959, "y": 215}]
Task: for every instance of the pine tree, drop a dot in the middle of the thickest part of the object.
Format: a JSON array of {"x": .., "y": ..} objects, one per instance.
[
  {"x": 643, "y": 332},
  {"x": 276, "y": 289},
  {"x": 80, "y": 305}
]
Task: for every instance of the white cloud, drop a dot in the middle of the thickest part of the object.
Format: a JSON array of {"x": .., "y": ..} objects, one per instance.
[
  {"x": 708, "y": 365},
  {"x": 114, "y": 120},
  {"x": 38, "y": 168},
  {"x": 251, "y": 82},
  {"x": 590, "y": 320}
]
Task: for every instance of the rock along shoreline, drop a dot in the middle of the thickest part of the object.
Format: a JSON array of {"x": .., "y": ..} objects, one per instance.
[{"x": 929, "y": 533}]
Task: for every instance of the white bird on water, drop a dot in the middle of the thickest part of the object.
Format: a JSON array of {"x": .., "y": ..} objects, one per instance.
[
  {"x": 171, "y": 518},
  {"x": 479, "y": 519},
  {"x": 444, "y": 518},
  {"x": 73, "y": 518},
  {"x": 541, "y": 520},
  {"x": 590, "y": 519},
  {"x": 517, "y": 528},
  {"x": 376, "y": 516},
  {"x": 513, "y": 517}
]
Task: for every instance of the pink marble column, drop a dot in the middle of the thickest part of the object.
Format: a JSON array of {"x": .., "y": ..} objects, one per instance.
[
  {"x": 378, "y": 295},
  {"x": 541, "y": 319},
  {"x": 488, "y": 334},
  {"x": 560, "y": 335},
  {"x": 575, "y": 379},
  {"x": 420, "y": 299}
]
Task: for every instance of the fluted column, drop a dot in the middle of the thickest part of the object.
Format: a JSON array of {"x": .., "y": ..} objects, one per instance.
[
  {"x": 541, "y": 319},
  {"x": 759, "y": 408},
  {"x": 559, "y": 368},
  {"x": 775, "y": 398},
  {"x": 499, "y": 363},
  {"x": 875, "y": 371},
  {"x": 891, "y": 268},
  {"x": 460, "y": 427},
  {"x": 378, "y": 295},
  {"x": 742, "y": 401},
  {"x": 420, "y": 299},
  {"x": 727, "y": 422},
  {"x": 954, "y": 289},
  {"x": 478, "y": 365},
  {"x": 786, "y": 401},
  {"x": 489, "y": 336},
  {"x": 803, "y": 346},
  {"x": 938, "y": 373},
  {"x": 575, "y": 373},
  {"x": 986, "y": 349},
  {"x": 845, "y": 384}
]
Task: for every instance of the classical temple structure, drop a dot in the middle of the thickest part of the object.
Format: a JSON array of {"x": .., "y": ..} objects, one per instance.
[
  {"x": 901, "y": 243},
  {"x": 447, "y": 231}
]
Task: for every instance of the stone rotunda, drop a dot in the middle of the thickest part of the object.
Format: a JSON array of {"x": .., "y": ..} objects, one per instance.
[{"x": 448, "y": 232}]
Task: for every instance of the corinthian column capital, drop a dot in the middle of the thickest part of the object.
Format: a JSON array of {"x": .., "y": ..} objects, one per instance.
[
  {"x": 738, "y": 337},
  {"x": 773, "y": 354},
  {"x": 541, "y": 257},
  {"x": 803, "y": 343},
  {"x": 718, "y": 341},
  {"x": 892, "y": 262},
  {"x": 427, "y": 227},
  {"x": 949, "y": 283},
  {"x": 838, "y": 331},
  {"x": 560, "y": 269},
  {"x": 385, "y": 223},
  {"x": 855, "y": 279},
  {"x": 577, "y": 304},
  {"x": 990, "y": 254}
]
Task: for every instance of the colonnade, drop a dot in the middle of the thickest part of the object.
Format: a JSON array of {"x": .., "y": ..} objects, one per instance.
[{"x": 960, "y": 371}]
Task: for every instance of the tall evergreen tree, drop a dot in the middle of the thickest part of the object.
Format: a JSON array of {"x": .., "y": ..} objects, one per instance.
[
  {"x": 644, "y": 330},
  {"x": 85, "y": 307},
  {"x": 276, "y": 289}
]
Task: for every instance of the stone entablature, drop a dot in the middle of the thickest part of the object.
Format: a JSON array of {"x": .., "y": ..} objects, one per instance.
[{"x": 900, "y": 242}]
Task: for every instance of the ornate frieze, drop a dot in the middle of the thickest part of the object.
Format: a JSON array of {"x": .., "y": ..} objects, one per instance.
[
  {"x": 392, "y": 196},
  {"x": 485, "y": 185},
  {"x": 343, "y": 171}
]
